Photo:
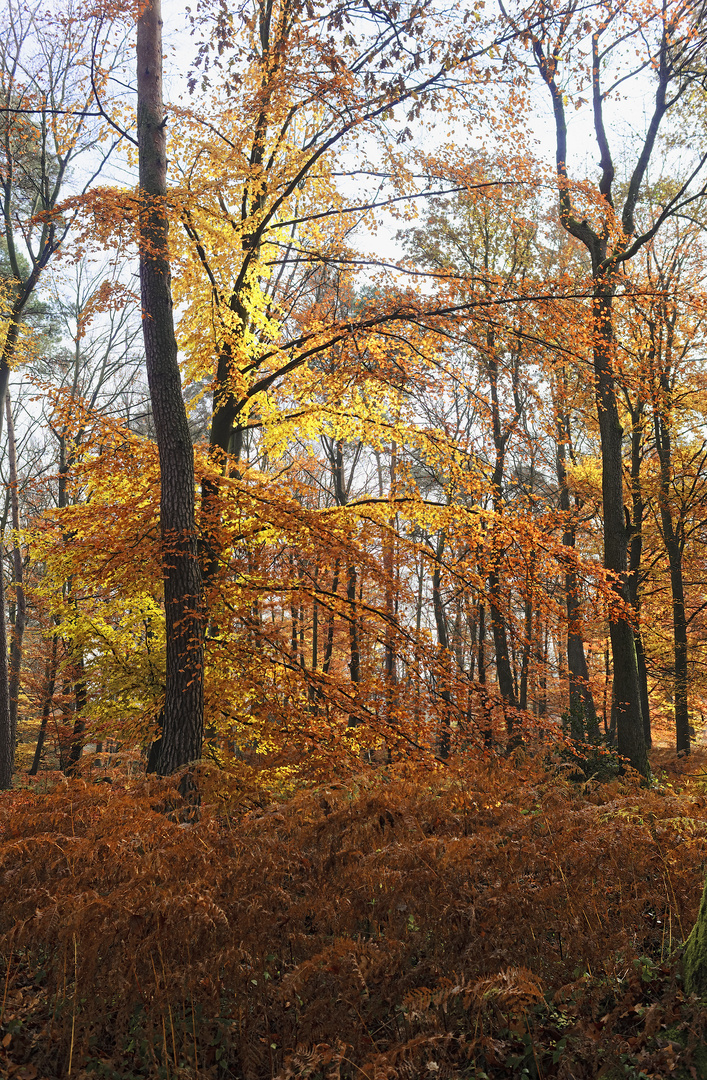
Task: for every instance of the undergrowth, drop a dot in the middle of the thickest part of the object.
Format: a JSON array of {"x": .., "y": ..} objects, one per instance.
[{"x": 480, "y": 920}]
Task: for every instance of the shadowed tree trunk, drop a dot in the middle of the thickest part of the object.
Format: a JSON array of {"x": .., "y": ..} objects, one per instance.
[
  {"x": 583, "y": 716},
  {"x": 443, "y": 691},
  {"x": 629, "y": 716},
  {"x": 80, "y": 700},
  {"x": 635, "y": 552},
  {"x": 47, "y": 698},
  {"x": 501, "y": 437},
  {"x": 183, "y": 726},
  {"x": 673, "y": 547},
  {"x": 606, "y": 264},
  {"x": 18, "y": 629}
]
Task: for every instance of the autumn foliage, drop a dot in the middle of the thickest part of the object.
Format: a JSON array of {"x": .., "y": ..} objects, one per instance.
[{"x": 396, "y": 563}]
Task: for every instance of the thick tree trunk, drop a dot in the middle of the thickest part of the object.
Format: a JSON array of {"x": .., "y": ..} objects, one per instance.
[
  {"x": 682, "y": 717},
  {"x": 629, "y": 718},
  {"x": 79, "y": 728},
  {"x": 631, "y": 742},
  {"x": 695, "y": 954},
  {"x": 183, "y": 711}
]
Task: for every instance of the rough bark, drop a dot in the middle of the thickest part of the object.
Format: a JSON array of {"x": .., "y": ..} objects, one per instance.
[
  {"x": 695, "y": 954},
  {"x": 629, "y": 717},
  {"x": 183, "y": 711}
]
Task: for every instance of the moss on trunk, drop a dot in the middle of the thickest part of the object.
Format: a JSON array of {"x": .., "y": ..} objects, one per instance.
[{"x": 695, "y": 956}]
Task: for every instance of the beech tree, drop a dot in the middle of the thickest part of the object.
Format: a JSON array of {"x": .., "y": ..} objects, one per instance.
[
  {"x": 585, "y": 52},
  {"x": 289, "y": 358},
  {"x": 253, "y": 199},
  {"x": 46, "y": 124},
  {"x": 183, "y": 720},
  {"x": 667, "y": 317},
  {"x": 386, "y": 548}
]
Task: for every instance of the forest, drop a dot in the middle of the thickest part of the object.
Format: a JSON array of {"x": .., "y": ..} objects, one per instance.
[{"x": 353, "y": 548}]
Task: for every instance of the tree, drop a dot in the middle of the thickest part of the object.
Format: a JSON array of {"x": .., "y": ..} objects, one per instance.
[
  {"x": 593, "y": 44},
  {"x": 183, "y": 721},
  {"x": 667, "y": 316},
  {"x": 473, "y": 237},
  {"x": 291, "y": 356},
  {"x": 46, "y": 123},
  {"x": 296, "y": 93}
]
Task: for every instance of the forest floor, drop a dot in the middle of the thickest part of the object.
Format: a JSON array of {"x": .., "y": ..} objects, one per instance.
[{"x": 505, "y": 918}]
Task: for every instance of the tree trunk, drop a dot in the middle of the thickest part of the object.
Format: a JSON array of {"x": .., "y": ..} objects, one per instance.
[
  {"x": 695, "y": 954},
  {"x": 354, "y": 641},
  {"x": 18, "y": 629},
  {"x": 329, "y": 647},
  {"x": 389, "y": 571},
  {"x": 543, "y": 645},
  {"x": 672, "y": 547},
  {"x": 444, "y": 692},
  {"x": 79, "y": 728},
  {"x": 635, "y": 552},
  {"x": 315, "y": 622},
  {"x": 49, "y": 683},
  {"x": 504, "y": 671},
  {"x": 583, "y": 716},
  {"x": 629, "y": 718},
  {"x": 501, "y": 436},
  {"x": 525, "y": 656},
  {"x": 184, "y": 711},
  {"x": 7, "y": 744},
  {"x": 631, "y": 742}
]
